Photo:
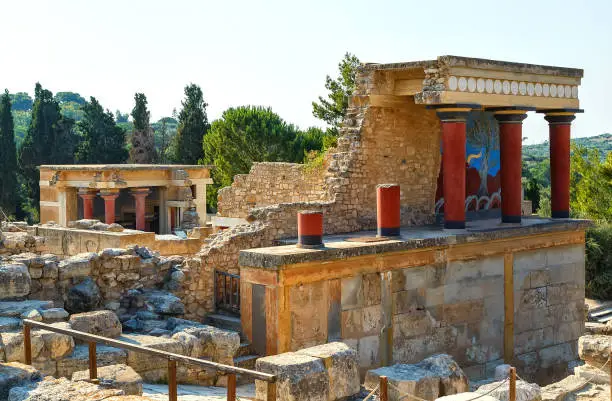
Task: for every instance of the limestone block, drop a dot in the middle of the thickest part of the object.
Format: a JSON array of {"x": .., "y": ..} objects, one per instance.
[
  {"x": 104, "y": 323},
  {"x": 14, "y": 280},
  {"x": 32, "y": 315},
  {"x": 83, "y": 297},
  {"x": 13, "y": 346},
  {"x": 565, "y": 255},
  {"x": 299, "y": 377},
  {"x": 593, "y": 374},
  {"x": 151, "y": 368},
  {"x": 50, "y": 389},
  {"x": 15, "y": 374},
  {"x": 9, "y": 324},
  {"x": 594, "y": 349},
  {"x": 218, "y": 344},
  {"x": 164, "y": 303},
  {"x": 524, "y": 391},
  {"x": 502, "y": 371},
  {"x": 56, "y": 345},
  {"x": 431, "y": 378},
  {"x": 79, "y": 359},
  {"x": 120, "y": 377},
  {"x": 77, "y": 266},
  {"x": 53, "y": 315},
  {"x": 16, "y": 308},
  {"x": 467, "y": 396},
  {"x": 50, "y": 270},
  {"x": 559, "y": 391},
  {"x": 342, "y": 365}
]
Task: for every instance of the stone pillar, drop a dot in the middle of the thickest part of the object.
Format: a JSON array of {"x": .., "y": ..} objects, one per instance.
[
  {"x": 388, "y": 210},
  {"x": 310, "y": 229},
  {"x": 109, "y": 196},
  {"x": 511, "y": 144},
  {"x": 88, "y": 197},
  {"x": 139, "y": 195},
  {"x": 559, "y": 122},
  {"x": 453, "y": 118}
]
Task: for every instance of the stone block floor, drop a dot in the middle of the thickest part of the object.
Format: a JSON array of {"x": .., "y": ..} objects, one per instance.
[{"x": 159, "y": 392}]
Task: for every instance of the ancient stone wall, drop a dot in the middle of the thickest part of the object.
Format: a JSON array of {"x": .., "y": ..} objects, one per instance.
[
  {"x": 548, "y": 310},
  {"x": 269, "y": 184}
]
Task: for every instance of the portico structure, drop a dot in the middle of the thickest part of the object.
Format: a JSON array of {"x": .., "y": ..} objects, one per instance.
[
  {"x": 456, "y": 86},
  {"x": 143, "y": 197}
]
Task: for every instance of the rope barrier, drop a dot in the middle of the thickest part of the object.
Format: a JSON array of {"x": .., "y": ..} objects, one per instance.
[
  {"x": 408, "y": 395},
  {"x": 372, "y": 393}
]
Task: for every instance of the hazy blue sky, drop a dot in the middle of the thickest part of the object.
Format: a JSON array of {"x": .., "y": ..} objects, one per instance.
[{"x": 277, "y": 53}]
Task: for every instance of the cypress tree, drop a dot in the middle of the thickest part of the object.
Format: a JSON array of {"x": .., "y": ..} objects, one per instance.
[
  {"x": 49, "y": 140},
  {"x": 193, "y": 125},
  {"x": 143, "y": 142},
  {"x": 102, "y": 141},
  {"x": 8, "y": 157}
]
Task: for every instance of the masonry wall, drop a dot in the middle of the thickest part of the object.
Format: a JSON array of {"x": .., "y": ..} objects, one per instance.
[
  {"x": 401, "y": 307},
  {"x": 269, "y": 184},
  {"x": 548, "y": 310}
]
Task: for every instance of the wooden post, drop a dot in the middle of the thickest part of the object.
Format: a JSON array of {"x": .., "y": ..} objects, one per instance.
[
  {"x": 93, "y": 362},
  {"x": 384, "y": 395},
  {"x": 512, "y": 396},
  {"x": 27, "y": 344},
  {"x": 271, "y": 391},
  {"x": 231, "y": 387},
  {"x": 172, "y": 387}
]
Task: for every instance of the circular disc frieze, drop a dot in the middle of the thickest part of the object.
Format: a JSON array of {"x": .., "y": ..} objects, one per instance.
[
  {"x": 480, "y": 85},
  {"x": 489, "y": 86},
  {"x": 497, "y": 86},
  {"x": 545, "y": 90},
  {"x": 462, "y": 84},
  {"x": 530, "y": 89},
  {"x": 452, "y": 83},
  {"x": 506, "y": 87},
  {"x": 553, "y": 90}
]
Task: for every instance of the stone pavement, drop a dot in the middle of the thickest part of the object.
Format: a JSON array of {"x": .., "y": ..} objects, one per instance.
[{"x": 159, "y": 392}]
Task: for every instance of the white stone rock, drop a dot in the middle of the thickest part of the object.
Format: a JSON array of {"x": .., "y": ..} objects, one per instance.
[
  {"x": 54, "y": 315},
  {"x": 501, "y": 372},
  {"x": 15, "y": 374},
  {"x": 524, "y": 391},
  {"x": 104, "y": 323},
  {"x": 595, "y": 349},
  {"x": 16, "y": 308},
  {"x": 79, "y": 359},
  {"x": 51, "y": 389},
  {"x": 14, "y": 280},
  {"x": 77, "y": 266},
  {"x": 467, "y": 396},
  {"x": 119, "y": 377}
]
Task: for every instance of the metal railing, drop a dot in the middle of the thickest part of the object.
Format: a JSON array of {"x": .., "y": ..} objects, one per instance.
[
  {"x": 227, "y": 291},
  {"x": 172, "y": 358}
]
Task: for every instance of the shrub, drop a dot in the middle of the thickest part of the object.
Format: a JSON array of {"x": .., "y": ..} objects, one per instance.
[{"x": 599, "y": 262}]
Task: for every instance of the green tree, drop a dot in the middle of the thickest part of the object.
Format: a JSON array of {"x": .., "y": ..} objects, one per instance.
[
  {"x": 121, "y": 118},
  {"x": 192, "y": 127},
  {"x": 143, "y": 144},
  {"x": 102, "y": 141},
  {"x": 162, "y": 139},
  {"x": 21, "y": 101},
  {"x": 591, "y": 186},
  {"x": 49, "y": 140},
  {"x": 70, "y": 97},
  {"x": 333, "y": 109},
  {"x": 8, "y": 157},
  {"x": 244, "y": 135}
]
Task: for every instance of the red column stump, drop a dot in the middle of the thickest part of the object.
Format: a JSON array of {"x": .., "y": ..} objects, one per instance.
[
  {"x": 388, "y": 210},
  {"x": 139, "y": 195},
  {"x": 109, "y": 205},
  {"x": 310, "y": 229}
]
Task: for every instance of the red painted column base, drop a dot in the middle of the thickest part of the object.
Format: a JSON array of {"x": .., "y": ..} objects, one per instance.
[{"x": 109, "y": 206}]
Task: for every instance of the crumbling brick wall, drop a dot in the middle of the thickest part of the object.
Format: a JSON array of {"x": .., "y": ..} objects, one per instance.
[{"x": 269, "y": 184}]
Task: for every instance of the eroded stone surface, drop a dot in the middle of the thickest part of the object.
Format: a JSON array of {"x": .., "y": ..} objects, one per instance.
[
  {"x": 79, "y": 359},
  {"x": 299, "y": 377},
  {"x": 467, "y": 396},
  {"x": 51, "y": 389},
  {"x": 104, "y": 323},
  {"x": 83, "y": 297},
  {"x": 14, "y": 280},
  {"x": 16, "y": 308},
  {"x": 524, "y": 391},
  {"x": 431, "y": 378},
  {"x": 119, "y": 377},
  {"x": 594, "y": 349},
  {"x": 14, "y": 374},
  {"x": 151, "y": 368}
]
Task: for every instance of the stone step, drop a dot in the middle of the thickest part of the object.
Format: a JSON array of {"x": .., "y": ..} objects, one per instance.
[
  {"x": 79, "y": 359},
  {"x": 245, "y": 349},
  {"x": 16, "y": 308},
  {"x": 245, "y": 362},
  {"x": 225, "y": 322}
]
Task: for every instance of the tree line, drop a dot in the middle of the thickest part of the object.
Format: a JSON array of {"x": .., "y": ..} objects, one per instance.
[{"x": 68, "y": 129}]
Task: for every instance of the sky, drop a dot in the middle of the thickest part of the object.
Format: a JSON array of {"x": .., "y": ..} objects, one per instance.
[{"x": 277, "y": 53}]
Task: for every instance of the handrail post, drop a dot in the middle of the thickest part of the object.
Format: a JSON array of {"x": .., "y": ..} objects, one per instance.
[
  {"x": 231, "y": 387},
  {"x": 271, "y": 391},
  {"x": 27, "y": 344},
  {"x": 512, "y": 395},
  {"x": 172, "y": 386},
  {"x": 93, "y": 362},
  {"x": 384, "y": 395}
]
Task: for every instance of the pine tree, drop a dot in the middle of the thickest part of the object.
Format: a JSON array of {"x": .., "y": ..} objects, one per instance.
[
  {"x": 333, "y": 109},
  {"x": 8, "y": 157},
  {"x": 193, "y": 125},
  {"x": 49, "y": 140},
  {"x": 143, "y": 142},
  {"x": 102, "y": 141}
]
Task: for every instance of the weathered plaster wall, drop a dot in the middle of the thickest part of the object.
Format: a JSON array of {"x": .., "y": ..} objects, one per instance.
[{"x": 269, "y": 184}]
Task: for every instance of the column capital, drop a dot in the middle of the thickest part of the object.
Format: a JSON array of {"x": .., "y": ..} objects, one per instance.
[
  {"x": 457, "y": 112},
  {"x": 510, "y": 114},
  {"x": 139, "y": 191},
  {"x": 109, "y": 193},
  {"x": 560, "y": 116},
  {"x": 87, "y": 193}
]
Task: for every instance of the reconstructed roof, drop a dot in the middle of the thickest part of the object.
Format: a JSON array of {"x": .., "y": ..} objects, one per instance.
[{"x": 104, "y": 167}]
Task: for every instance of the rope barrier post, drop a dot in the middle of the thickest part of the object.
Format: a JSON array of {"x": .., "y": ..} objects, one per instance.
[
  {"x": 93, "y": 363},
  {"x": 172, "y": 387},
  {"x": 231, "y": 387},
  {"x": 512, "y": 395},
  {"x": 27, "y": 344},
  {"x": 383, "y": 388},
  {"x": 271, "y": 391}
]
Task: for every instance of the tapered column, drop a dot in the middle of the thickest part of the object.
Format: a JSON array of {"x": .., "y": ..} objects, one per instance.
[
  {"x": 88, "y": 197},
  {"x": 139, "y": 195},
  {"x": 511, "y": 144},
  {"x": 559, "y": 123},
  {"x": 109, "y": 196},
  {"x": 453, "y": 119}
]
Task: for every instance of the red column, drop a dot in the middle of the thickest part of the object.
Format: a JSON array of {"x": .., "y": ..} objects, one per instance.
[
  {"x": 453, "y": 164},
  {"x": 109, "y": 205},
  {"x": 310, "y": 229},
  {"x": 139, "y": 195},
  {"x": 388, "y": 210},
  {"x": 511, "y": 145},
  {"x": 559, "y": 123},
  {"x": 88, "y": 199}
]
